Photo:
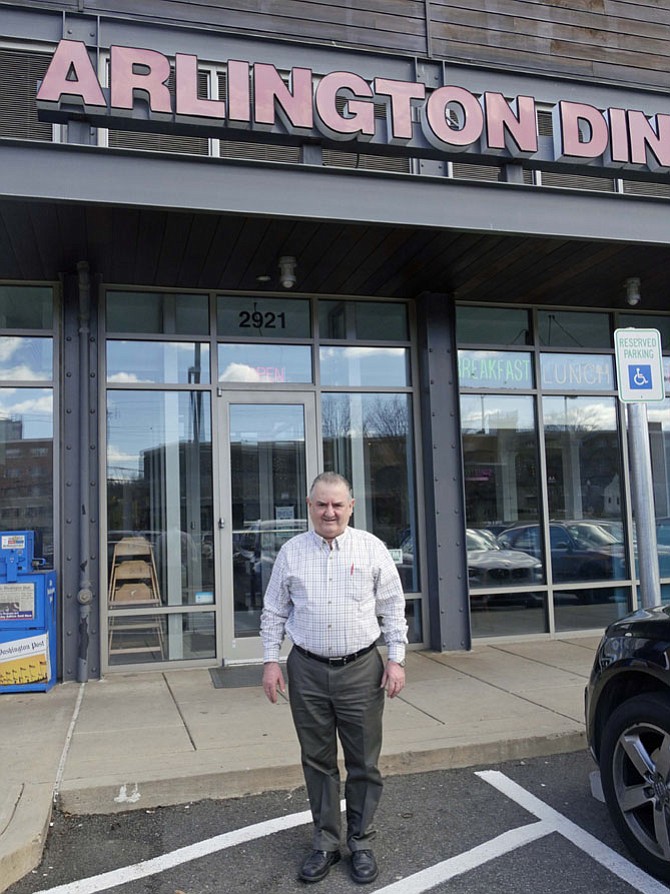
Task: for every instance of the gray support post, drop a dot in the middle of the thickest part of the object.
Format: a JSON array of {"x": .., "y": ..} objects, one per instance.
[
  {"x": 643, "y": 503},
  {"x": 85, "y": 594},
  {"x": 447, "y": 583},
  {"x": 78, "y": 497}
]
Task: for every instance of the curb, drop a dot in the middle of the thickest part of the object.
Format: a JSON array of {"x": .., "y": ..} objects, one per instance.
[
  {"x": 138, "y": 795},
  {"x": 24, "y": 819}
]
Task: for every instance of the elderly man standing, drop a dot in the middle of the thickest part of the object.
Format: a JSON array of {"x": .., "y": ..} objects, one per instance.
[{"x": 333, "y": 590}]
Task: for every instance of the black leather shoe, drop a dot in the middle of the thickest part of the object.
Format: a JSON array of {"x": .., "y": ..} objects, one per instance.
[
  {"x": 364, "y": 867},
  {"x": 317, "y": 865}
]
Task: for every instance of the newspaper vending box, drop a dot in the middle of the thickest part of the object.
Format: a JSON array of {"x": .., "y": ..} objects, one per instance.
[{"x": 27, "y": 616}]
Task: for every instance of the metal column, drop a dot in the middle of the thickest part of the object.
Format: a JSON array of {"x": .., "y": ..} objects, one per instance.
[{"x": 443, "y": 463}]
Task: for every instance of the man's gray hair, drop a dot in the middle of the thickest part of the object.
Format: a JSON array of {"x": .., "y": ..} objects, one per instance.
[{"x": 331, "y": 478}]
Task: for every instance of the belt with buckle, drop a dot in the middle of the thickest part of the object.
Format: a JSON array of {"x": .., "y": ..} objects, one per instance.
[{"x": 335, "y": 662}]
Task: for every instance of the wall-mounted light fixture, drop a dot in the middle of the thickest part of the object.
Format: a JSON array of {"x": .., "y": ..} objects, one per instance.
[
  {"x": 633, "y": 295},
  {"x": 287, "y": 265}
]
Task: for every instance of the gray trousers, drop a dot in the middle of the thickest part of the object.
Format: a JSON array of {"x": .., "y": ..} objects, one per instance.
[{"x": 346, "y": 701}]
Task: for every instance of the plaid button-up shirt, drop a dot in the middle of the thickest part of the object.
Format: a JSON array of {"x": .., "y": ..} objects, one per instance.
[{"x": 334, "y": 601}]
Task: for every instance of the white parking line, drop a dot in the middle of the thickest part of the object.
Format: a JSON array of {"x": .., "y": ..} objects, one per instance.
[
  {"x": 483, "y": 853},
  {"x": 549, "y": 821},
  {"x": 115, "y": 877},
  {"x": 616, "y": 864}
]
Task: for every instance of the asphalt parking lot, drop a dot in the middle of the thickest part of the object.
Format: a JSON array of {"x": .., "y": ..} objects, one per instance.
[{"x": 522, "y": 827}]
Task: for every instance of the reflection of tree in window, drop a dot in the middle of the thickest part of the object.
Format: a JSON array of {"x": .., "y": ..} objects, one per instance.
[{"x": 386, "y": 417}]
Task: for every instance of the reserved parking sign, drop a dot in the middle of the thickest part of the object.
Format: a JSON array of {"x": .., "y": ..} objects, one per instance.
[{"x": 639, "y": 364}]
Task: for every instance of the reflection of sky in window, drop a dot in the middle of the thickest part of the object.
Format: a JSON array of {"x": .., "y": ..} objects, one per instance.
[
  {"x": 485, "y": 412},
  {"x": 363, "y": 366},
  {"x": 140, "y": 421},
  {"x": 580, "y": 413},
  {"x": 146, "y": 362},
  {"x": 26, "y": 358},
  {"x": 265, "y": 363},
  {"x": 658, "y": 412},
  {"x": 666, "y": 373},
  {"x": 252, "y": 423},
  {"x": 32, "y": 406}
]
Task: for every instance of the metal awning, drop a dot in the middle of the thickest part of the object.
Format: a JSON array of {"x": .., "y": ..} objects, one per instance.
[{"x": 154, "y": 220}]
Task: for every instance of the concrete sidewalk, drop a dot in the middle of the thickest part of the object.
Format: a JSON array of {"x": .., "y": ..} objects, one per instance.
[{"x": 145, "y": 740}]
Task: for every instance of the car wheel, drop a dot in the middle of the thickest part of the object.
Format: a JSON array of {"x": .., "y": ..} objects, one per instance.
[{"x": 635, "y": 773}]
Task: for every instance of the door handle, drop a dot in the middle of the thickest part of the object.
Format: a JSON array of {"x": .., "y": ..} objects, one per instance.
[{"x": 222, "y": 524}]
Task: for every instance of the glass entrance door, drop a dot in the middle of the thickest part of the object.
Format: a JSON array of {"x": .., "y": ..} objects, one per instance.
[{"x": 271, "y": 460}]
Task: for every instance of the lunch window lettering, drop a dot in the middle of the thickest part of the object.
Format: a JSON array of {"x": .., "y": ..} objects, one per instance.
[{"x": 576, "y": 372}]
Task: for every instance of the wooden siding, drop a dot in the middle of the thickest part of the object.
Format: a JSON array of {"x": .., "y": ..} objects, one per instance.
[
  {"x": 609, "y": 40},
  {"x": 618, "y": 41},
  {"x": 385, "y": 25}
]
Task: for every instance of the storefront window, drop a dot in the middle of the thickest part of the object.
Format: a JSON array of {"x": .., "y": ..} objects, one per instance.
[
  {"x": 586, "y": 532},
  {"x": 577, "y": 372},
  {"x": 583, "y": 459},
  {"x": 573, "y": 329},
  {"x": 414, "y": 618},
  {"x": 492, "y": 326},
  {"x": 658, "y": 420},
  {"x": 154, "y": 362},
  {"x": 363, "y": 320},
  {"x": 188, "y": 636},
  {"x": 368, "y": 439},
  {"x": 356, "y": 366},
  {"x": 26, "y": 465},
  {"x": 157, "y": 313},
  {"x": 27, "y": 414},
  {"x": 258, "y": 317},
  {"x": 269, "y": 494},
  {"x": 648, "y": 321},
  {"x": 160, "y": 523},
  {"x": 26, "y": 307},
  {"x": 266, "y": 363},
  {"x": 508, "y": 370},
  {"x": 500, "y": 460},
  {"x": 543, "y": 524},
  {"x": 28, "y": 359},
  {"x": 167, "y": 395},
  {"x": 576, "y": 610},
  {"x": 501, "y": 493}
]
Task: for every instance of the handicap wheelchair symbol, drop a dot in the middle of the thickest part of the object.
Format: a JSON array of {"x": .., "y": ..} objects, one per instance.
[{"x": 639, "y": 378}]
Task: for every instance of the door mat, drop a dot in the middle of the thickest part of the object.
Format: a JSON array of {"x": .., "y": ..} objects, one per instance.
[{"x": 236, "y": 677}]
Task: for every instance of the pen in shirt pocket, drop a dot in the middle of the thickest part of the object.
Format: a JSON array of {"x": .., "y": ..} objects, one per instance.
[{"x": 351, "y": 572}]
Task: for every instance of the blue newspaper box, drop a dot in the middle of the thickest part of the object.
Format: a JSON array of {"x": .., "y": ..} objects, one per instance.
[{"x": 27, "y": 616}]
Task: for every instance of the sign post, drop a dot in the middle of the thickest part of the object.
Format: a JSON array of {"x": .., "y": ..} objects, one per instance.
[{"x": 639, "y": 365}]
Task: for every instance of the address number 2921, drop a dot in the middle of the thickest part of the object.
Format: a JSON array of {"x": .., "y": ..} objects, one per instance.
[{"x": 258, "y": 320}]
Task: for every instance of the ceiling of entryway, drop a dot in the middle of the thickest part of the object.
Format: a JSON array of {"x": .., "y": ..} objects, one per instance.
[{"x": 176, "y": 249}]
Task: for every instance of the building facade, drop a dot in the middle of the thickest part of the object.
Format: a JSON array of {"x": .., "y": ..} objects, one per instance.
[{"x": 389, "y": 239}]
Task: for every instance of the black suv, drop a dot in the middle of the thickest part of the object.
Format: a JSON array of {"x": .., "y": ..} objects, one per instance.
[{"x": 628, "y": 731}]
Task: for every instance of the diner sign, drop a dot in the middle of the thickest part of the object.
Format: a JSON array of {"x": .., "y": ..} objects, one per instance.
[{"x": 342, "y": 106}]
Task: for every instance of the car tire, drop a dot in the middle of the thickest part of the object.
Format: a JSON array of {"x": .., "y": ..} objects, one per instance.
[{"x": 635, "y": 775}]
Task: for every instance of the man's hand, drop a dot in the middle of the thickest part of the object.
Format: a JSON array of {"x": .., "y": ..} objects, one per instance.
[
  {"x": 393, "y": 679},
  {"x": 273, "y": 679}
]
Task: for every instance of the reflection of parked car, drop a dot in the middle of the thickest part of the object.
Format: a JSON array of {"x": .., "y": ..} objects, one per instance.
[
  {"x": 599, "y": 533},
  {"x": 628, "y": 730},
  {"x": 492, "y": 565},
  {"x": 574, "y": 555},
  {"x": 603, "y": 532},
  {"x": 264, "y": 538},
  {"x": 255, "y": 548}
]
